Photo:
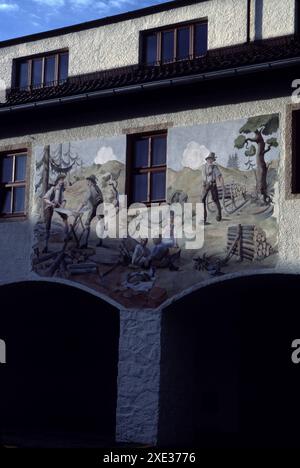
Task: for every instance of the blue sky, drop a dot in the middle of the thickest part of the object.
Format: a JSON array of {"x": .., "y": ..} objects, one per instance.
[{"x": 22, "y": 17}]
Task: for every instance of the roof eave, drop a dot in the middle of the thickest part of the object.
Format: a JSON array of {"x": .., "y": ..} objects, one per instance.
[{"x": 185, "y": 80}]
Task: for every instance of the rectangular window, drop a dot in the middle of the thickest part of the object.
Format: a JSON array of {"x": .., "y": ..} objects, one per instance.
[
  {"x": 37, "y": 72},
  {"x": 150, "y": 49},
  {"x": 147, "y": 168},
  {"x": 200, "y": 41},
  {"x": 50, "y": 75},
  {"x": 42, "y": 71},
  {"x": 183, "y": 43},
  {"x": 23, "y": 75},
  {"x": 177, "y": 43},
  {"x": 167, "y": 46},
  {"x": 12, "y": 183},
  {"x": 63, "y": 66}
]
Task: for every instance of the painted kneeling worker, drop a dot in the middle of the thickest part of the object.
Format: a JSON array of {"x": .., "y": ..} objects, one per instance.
[
  {"x": 92, "y": 200},
  {"x": 211, "y": 174},
  {"x": 54, "y": 198},
  {"x": 159, "y": 256},
  {"x": 141, "y": 256}
]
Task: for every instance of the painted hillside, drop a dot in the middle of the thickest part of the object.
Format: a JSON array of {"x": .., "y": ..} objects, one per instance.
[
  {"x": 190, "y": 181},
  {"x": 75, "y": 193}
]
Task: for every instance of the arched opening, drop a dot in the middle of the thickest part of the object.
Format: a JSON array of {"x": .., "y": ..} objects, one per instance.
[
  {"x": 227, "y": 378},
  {"x": 59, "y": 383}
]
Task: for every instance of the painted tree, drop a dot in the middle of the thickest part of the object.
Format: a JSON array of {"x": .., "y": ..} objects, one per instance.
[
  {"x": 48, "y": 168},
  {"x": 233, "y": 161},
  {"x": 249, "y": 153},
  {"x": 42, "y": 168},
  {"x": 43, "y": 172},
  {"x": 258, "y": 128},
  {"x": 65, "y": 162}
]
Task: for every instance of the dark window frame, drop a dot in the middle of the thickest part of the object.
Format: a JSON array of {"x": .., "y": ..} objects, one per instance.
[
  {"x": 171, "y": 28},
  {"x": 151, "y": 169},
  {"x": 297, "y": 19},
  {"x": 295, "y": 162},
  {"x": 15, "y": 152},
  {"x": 42, "y": 56}
]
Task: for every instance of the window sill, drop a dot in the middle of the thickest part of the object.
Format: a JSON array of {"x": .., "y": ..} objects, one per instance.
[
  {"x": 13, "y": 218},
  {"x": 174, "y": 61},
  {"x": 153, "y": 204},
  {"x": 32, "y": 89}
]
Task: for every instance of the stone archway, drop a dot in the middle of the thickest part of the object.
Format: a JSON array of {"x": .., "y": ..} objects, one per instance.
[
  {"x": 227, "y": 378},
  {"x": 59, "y": 385}
]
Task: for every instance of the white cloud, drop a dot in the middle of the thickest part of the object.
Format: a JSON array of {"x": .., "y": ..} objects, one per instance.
[
  {"x": 101, "y": 6},
  {"x": 8, "y": 6},
  {"x": 51, "y": 3},
  {"x": 120, "y": 3},
  {"x": 81, "y": 3},
  {"x": 104, "y": 155},
  {"x": 194, "y": 155}
]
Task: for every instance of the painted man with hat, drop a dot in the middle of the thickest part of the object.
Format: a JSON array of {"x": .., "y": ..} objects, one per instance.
[
  {"x": 92, "y": 199},
  {"x": 211, "y": 174},
  {"x": 54, "y": 198}
]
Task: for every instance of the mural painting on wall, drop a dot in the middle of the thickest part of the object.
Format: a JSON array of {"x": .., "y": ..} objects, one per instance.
[{"x": 229, "y": 169}]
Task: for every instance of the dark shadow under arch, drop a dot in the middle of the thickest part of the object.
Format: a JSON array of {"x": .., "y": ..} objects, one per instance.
[
  {"x": 227, "y": 378},
  {"x": 59, "y": 386}
]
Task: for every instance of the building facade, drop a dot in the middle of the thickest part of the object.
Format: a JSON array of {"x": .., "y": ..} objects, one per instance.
[{"x": 190, "y": 105}]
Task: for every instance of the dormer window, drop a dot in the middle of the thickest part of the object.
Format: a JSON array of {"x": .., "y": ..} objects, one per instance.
[
  {"x": 172, "y": 44},
  {"x": 42, "y": 70}
]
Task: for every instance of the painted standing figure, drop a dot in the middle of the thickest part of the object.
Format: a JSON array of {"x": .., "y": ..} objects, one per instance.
[
  {"x": 54, "y": 198},
  {"x": 210, "y": 175},
  {"x": 93, "y": 198}
]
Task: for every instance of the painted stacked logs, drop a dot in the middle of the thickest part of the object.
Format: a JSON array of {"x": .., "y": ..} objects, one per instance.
[
  {"x": 263, "y": 248},
  {"x": 251, "y": 242}
]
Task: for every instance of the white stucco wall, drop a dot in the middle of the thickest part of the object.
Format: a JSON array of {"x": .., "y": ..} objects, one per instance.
[
  {"x": 16, "y": 238},
  {"x": 139, "y": 366},
  {"x": 271, "y": 18},
  {"x": 139, "y": 376},
  {"x": 117, "y": 45}
]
